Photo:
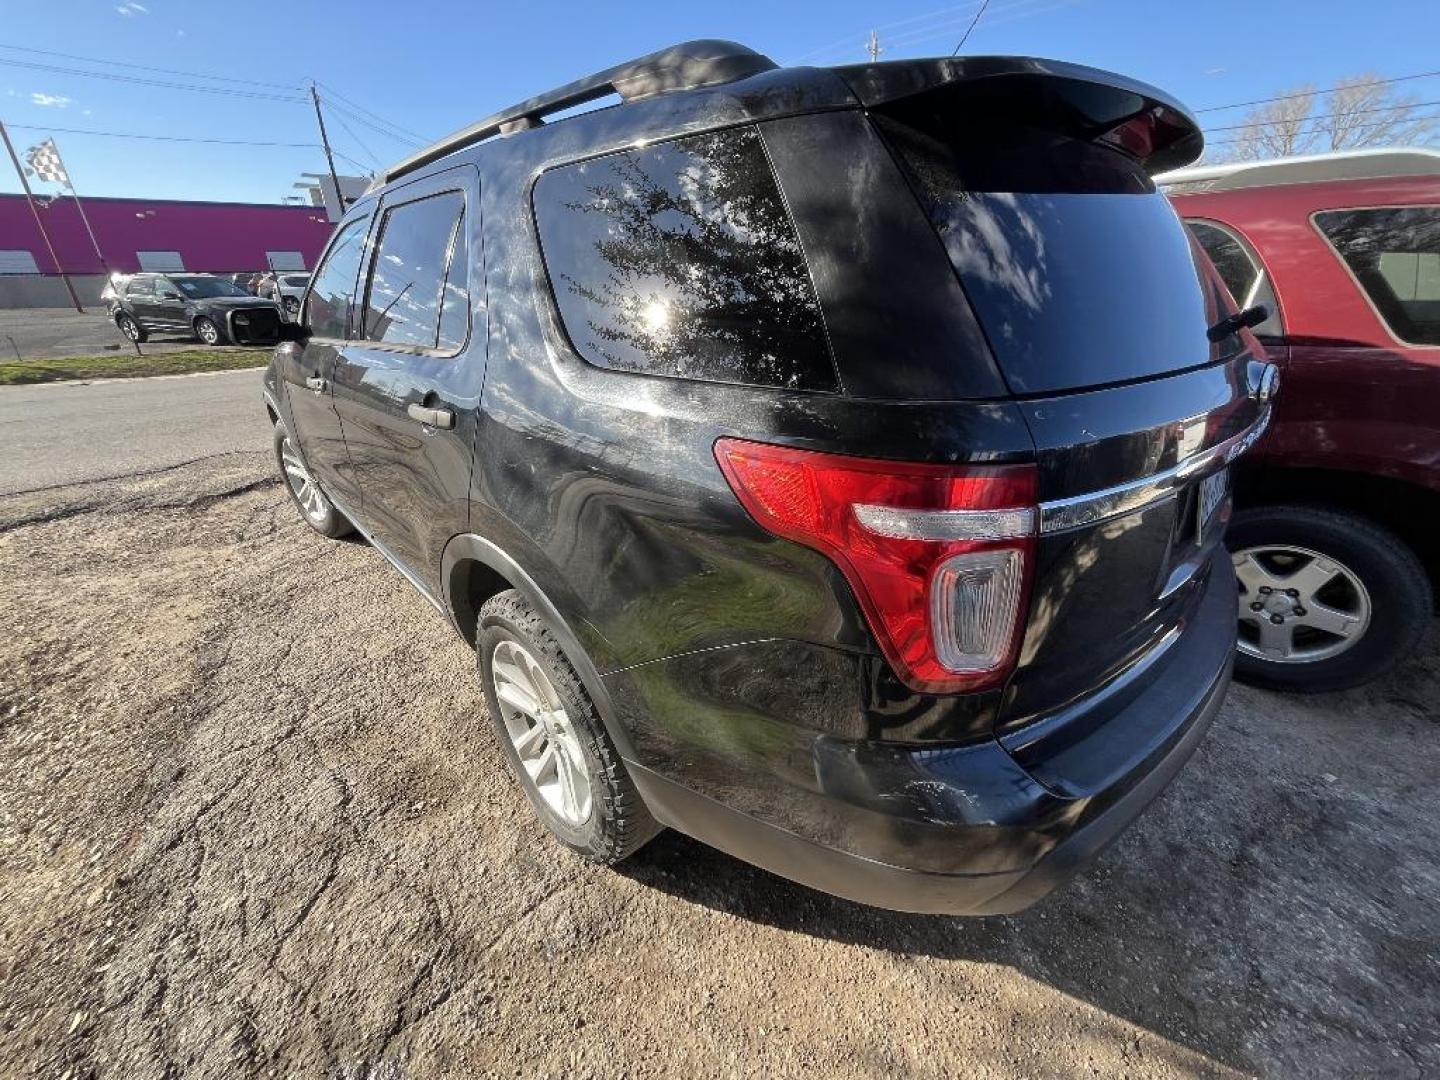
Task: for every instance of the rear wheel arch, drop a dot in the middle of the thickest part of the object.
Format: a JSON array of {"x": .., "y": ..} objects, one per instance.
[
  {"x": 1401, "y": 507},
  {"x": 474, "y": 569}
]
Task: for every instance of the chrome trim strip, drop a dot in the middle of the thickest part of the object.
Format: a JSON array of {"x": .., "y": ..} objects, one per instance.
[
  {"x": 946, "y": 524},
  {"x": 1078, "y": 511}
]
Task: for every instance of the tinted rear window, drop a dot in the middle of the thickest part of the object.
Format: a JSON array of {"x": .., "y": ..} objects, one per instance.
[
  {"x": 1078, "y": 269},
  {"x": 679, "y": 260},
  {"x": 1395, "y": 255}
]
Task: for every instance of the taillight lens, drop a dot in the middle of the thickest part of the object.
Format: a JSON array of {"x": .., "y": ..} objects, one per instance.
[{"x": 939, "y": 556}]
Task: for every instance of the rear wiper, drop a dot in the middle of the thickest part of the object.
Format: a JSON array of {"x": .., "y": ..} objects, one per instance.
[{"x": 1233, "y": 324}]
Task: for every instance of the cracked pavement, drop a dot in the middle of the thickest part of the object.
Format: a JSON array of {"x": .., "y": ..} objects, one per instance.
[{"x": 253, "y": 823}]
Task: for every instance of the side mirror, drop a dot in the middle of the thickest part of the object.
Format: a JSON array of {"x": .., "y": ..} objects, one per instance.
[{"x": 294, "y": 331}]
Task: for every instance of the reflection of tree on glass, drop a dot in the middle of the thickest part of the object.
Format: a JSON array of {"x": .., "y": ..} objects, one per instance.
[{"x": 679, "y": 259}]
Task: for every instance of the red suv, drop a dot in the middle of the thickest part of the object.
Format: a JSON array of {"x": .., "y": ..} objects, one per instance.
[{"x": 1334, "y": 539}]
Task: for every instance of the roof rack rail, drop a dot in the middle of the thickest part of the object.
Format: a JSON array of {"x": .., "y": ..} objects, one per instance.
[
  {"x": 1341, "y": 165},
  {"x": 686, "y": 66}
]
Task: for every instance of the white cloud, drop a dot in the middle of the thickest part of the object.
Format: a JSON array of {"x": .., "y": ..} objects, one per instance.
[
  {"x": 131, "y": 8},
  {"x": 50, "y": 101}
]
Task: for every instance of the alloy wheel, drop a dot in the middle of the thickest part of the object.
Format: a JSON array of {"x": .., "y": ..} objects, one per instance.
[
  {"x": 1297, "y": 605},
  {"x": 542, "y": 733},
  {"x": 307, "y": 492},
  {"x": 207, "y": 332}
]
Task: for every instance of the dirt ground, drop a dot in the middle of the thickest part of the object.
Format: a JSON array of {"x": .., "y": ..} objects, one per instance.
[{"x": 252, "y": 823}]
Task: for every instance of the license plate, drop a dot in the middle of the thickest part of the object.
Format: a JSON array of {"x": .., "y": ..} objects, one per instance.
[{"x": 1212, "y": 494}]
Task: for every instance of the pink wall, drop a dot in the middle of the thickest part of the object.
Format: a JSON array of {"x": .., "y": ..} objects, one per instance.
[{"x": 209, "y": 236}]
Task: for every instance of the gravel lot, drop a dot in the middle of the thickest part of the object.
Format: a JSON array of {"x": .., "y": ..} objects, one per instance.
[{"x": 252, "y": 823}]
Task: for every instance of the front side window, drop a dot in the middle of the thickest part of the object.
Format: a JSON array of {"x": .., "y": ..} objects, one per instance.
[
  {"x": 416, "y": 298},
  {"x": 679, "y": 260},
  {"x": 1241, "y": 271},
  {"x": 328, "y": 306},
  {"x": 141, "y": 287},
  {"x": 1395, "y": 255}
]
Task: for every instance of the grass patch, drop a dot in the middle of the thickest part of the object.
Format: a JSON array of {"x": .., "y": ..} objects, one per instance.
[{"x": 130, "y": 366}]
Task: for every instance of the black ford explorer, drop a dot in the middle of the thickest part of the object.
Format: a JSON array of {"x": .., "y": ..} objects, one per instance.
[{"x": 827, "y": 463}]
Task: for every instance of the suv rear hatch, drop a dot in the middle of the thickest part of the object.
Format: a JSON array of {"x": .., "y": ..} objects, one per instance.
[{"x": 1097, "y": 308}]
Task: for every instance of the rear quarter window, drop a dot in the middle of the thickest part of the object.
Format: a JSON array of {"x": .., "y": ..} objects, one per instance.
[
  {"x": 1394, "y": 253},
  {"x": 1241, "y": 271},
  {"x": 679, "y": 260}
]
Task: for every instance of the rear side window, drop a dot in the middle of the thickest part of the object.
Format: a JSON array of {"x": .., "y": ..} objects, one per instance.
[
  {"x": 141, "y": 287},
  {"x": 679, "y": 260},
  {"x": 1395, "y": 255},
  {"x": 416, "y": 298},
  {"x": 1241, "y": 271},
  {"x": 328, "y": 307}
]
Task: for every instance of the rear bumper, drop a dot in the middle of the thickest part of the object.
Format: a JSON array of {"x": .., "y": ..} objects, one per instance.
[{"x": 964, "y": 830}]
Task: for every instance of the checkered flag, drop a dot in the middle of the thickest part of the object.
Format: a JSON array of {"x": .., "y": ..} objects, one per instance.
[{"x": 46, "y": 164}]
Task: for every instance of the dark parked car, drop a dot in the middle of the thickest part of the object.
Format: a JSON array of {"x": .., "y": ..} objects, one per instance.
[
  {"x": 210, "y": 308},
  {"x": 827, "y": 463},
  {"x": 1334, "y": 537}
]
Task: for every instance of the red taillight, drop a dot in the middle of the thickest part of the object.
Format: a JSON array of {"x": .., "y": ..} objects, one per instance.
[{"x": 939, "y": 556}]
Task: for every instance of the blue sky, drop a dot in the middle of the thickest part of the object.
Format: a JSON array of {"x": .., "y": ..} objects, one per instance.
[{"x": 430, "y": 66}]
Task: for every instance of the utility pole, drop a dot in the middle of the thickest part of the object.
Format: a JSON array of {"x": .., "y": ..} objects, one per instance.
[
  {"x": 39, "y": 224},
  {"x": 873, "y": 47},
  {"x": 329, "y": 157}
]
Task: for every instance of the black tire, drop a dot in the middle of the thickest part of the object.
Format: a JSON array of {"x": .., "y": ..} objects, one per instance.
[
  {"x": 618, "y": 824},
  {"x": 131, "y": 328},
  {"x": 316, "y": 509},
  {"x": 209, "y": 331},
  {"x": 1392, "y": 576}
]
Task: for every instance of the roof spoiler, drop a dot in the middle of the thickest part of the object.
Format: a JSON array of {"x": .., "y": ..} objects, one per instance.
[
  {"x": 687, "y": 66},
  {"x": 1133, "y": 116}
]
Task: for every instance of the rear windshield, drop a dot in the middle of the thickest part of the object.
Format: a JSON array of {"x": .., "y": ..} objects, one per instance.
[{"x": 1077, "y": 267}]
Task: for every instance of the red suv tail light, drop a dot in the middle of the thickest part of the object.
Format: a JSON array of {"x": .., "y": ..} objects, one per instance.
[{"x": 939, "y": 556}]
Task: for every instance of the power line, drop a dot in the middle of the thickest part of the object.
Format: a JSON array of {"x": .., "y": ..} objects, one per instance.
[
  {"x": 1002, "y": 14},
  {"x": 376, "y": 128},
  {"x": 358, "y": 142},
  {"x": 114, "y": 77},
  {"x": 162, "y": 138},
  {"x": 1307, "y": 93},
  {"x": 374, "y": 116},
  {"x": 942, "y": 23},
  {"x": 145, "y": 67},
  {"x": 1327, "y": 116},
  {"x": 966, "y": 36},
  {"x": 1321, "y": 131}
]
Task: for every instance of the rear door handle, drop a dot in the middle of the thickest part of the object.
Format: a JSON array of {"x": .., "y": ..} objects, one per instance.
[
  {"x": 316, "y": 383},
  {"x": 444, "y": 419}
]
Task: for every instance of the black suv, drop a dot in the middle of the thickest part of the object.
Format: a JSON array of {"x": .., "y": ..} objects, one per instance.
[
  {"x": 212, "y": 309},
  {"x": 827, "y": 463}
]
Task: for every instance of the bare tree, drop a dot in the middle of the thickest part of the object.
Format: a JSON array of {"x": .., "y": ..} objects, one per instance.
[
  {"x": 1277, "y": 128},
  {"x": 1357, "y": 112},
  {"x": 1365, "y": 112}
]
